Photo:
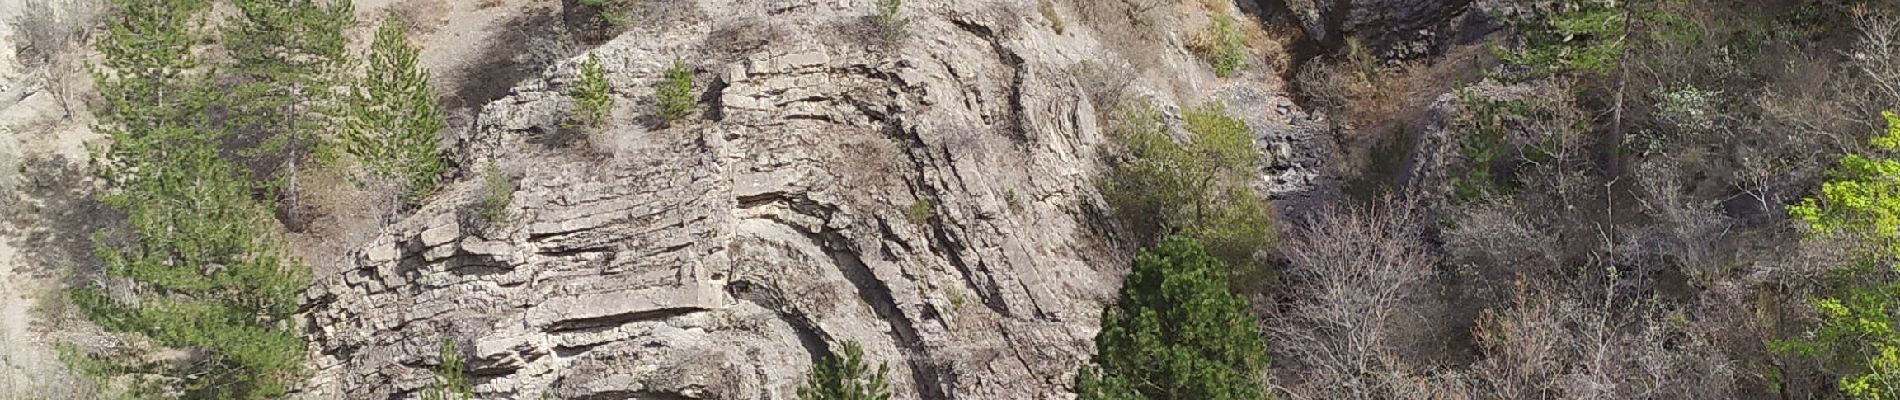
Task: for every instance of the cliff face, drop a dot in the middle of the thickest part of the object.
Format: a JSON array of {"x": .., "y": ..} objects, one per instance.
[{"x": 931, "y": 198}]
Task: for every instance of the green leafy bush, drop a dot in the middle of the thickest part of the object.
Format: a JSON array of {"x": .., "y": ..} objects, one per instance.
[
  {"x": 920, "y": 211},
  {"x": 1577, "y": 36},
  {"x": 1201, "y": 188},
  {"x": 612, "y": 12},
  {"x": 1222, "y": 45},
  {"x": 889, "y": 15},
  {"x": 1048, "y": 10},
  {"x": 675, "y": 93},
  {"x": 1860, "y": 203},
  {"x": 595, "y": 99},
  {"x": 395, "y": 117},
  {"x": 1176, "y": 333},
  {"x": 846, "y": 378}
]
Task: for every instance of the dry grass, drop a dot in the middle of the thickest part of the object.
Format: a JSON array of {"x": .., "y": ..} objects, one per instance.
[
  {"x": 49, "y": 40},
  {"x": 423, "y": 17},
  {"x": 342, "y": 213}
]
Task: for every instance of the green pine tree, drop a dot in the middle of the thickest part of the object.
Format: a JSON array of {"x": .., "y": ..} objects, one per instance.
[
  {"x": 846, "y": 378},
  {"x": 675, "y": 93},
  {"x": 451, "y": 378},
  {"x": 198, "y": 263},
  {"x": 395, "y": 117},
  {"x": 144, "y": 79},
  {"x": 1177, "y": 333},
  {"x": 289, "y": 58},
  {"x": 593, "y": 96}
]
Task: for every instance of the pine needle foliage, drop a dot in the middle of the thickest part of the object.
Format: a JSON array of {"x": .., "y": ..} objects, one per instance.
[
  {"x": 675, "y": 93},
  {"x": 197, "y": 266},
  {"x": 451, "y": 376},
  {"x": 846, "y": 378},
  {"x": 593, "y": 97},
  {"x": 395, "y": 117},
  {"x": 288, "y": 58},
  {"x": 1177, "y": 333}
]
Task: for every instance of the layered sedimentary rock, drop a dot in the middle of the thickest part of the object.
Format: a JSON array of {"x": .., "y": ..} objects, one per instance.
[{"x": 930, "y": 197}]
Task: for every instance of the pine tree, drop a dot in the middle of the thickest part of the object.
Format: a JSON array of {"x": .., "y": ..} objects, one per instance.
[
  {"x": 144, "y": 80},
  {"x": 593, "y": 96},
  {"x": 675, "y": 93},
  {"x": 1177, "y": 333},
  {"x": 395, "y": 117},
  {"x": 200, "y": 267},
  {"x": 451, "y": 378},
  {"x": 289, "y": 59},
  {"x": 846, "y": 378}
]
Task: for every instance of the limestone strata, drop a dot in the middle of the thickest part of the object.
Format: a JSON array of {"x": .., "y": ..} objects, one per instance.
[{"x": 930, "y": 199}]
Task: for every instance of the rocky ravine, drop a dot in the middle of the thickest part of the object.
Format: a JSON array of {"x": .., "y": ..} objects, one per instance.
[{"x": 721, "y": 257}]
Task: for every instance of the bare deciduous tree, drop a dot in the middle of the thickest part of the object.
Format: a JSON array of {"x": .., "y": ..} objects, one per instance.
[
  {"x": 1548, "y": 346},
  {"x": 1357, "y": 274}
]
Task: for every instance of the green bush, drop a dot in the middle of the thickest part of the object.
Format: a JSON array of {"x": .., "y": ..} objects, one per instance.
[
  {"x": 1222, "y": 45},
  {"x": 498, "y": 190},
  {"x": 612, "y": 12},
  {"x": 451, "y": 378},
  {"x": 1048, "y": 10},
  {"x": 920, "y": 212},
  {"x": 395, "y": 117},
  {"x": 1176, "y": 333},
  {"x": 675, "y": 93},
  {"x": 1578, "y": 36},
  {"x": 1860, "y": 204},
  {"x": 593, "y": 96},
  {"x": 1202, "y": 188},
  {"x": 846, "y": 378}
]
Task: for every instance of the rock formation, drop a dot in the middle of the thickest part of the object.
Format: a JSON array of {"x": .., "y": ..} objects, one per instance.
[{"x": 929, "y": 196}]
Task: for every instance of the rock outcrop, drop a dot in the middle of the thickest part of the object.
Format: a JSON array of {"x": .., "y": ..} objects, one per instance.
[
  {"x": 930, "y": 198},
  {"x": 1395, "y": 29}
]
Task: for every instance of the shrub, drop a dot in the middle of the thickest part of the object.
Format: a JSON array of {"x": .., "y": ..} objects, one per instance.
[
  {"x": 451, "y": 380},
  {"x": 611, "y": 12},
  {"x": 846, "y": 378},
  {"x": 395, "y": 117},
  {"x": 1201, "y": 188},
  {"x": 1578, "y": 36},
  {"x": 1176, "y": 333},
  {"x": 49, "y": 38},
  {"x": 595, "y": 99},
  {"x": 675, "y": 93},
  {"x": 1222, "y": 45},
  {"x": 920, "y": 212},
  {"x": 887, "y": 23},
  {"x": 498, "y": 190},
  {"x": 1860, "y": 204},
  {"x": 1048, "y": 10}
]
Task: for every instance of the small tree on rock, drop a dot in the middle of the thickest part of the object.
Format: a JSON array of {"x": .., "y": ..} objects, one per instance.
[
  {"x": 592, "y": 96},
  {"x": 396, "y": 117},
  {"x": 846, "y": 378},
  {"x": 1177, "y": 333}
]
